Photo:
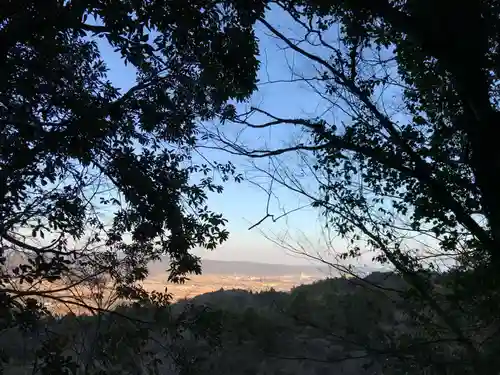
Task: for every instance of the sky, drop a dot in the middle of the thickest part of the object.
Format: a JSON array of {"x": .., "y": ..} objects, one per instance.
[{"x": 244, "y": 204}]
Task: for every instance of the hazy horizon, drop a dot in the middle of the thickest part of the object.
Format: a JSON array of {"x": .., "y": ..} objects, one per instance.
[{"x": 248, "y": 268}]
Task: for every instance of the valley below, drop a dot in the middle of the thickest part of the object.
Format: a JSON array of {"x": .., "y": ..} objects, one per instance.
[
  {"x": 216, "y": 276},
  {"x": 224, "y": 275}
]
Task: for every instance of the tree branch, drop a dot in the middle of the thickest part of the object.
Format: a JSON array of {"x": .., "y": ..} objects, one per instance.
[{"x": 422, "y": 170}]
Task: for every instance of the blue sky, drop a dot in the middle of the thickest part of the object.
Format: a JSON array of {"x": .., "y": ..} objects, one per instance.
[{"x": 244, "y": 204}]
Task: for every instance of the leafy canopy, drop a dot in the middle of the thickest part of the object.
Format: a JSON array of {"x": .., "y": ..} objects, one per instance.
[{"x": 99, "y": 177}]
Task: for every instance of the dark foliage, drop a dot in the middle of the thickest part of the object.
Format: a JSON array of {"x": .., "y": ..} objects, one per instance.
[
  {"x": 98, "y": 180},
  {"x": 99, "y": 177}
]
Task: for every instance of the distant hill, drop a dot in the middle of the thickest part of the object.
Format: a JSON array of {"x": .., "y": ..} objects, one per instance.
[{"x": 217, "y": 267}]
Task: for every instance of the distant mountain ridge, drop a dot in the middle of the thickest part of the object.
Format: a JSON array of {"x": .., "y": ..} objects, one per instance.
[
  {"x": 219, "y": 267},
  {"x": 243, "y": 268}
]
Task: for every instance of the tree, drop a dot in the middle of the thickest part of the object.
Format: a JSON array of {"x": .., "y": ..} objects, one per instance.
[
  {"x": 92, "y": 174},
  {"x": 99, "y": 178},
  {"x": 413, "y": 155},
  {"x": 425, "y": 167}
]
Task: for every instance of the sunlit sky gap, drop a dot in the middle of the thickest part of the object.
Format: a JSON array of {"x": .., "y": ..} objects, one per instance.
[{"x": 284, "y": 93}]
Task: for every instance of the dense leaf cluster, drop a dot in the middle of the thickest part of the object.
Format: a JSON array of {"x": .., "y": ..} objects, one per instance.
[{"x": 102, "y": 177}]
